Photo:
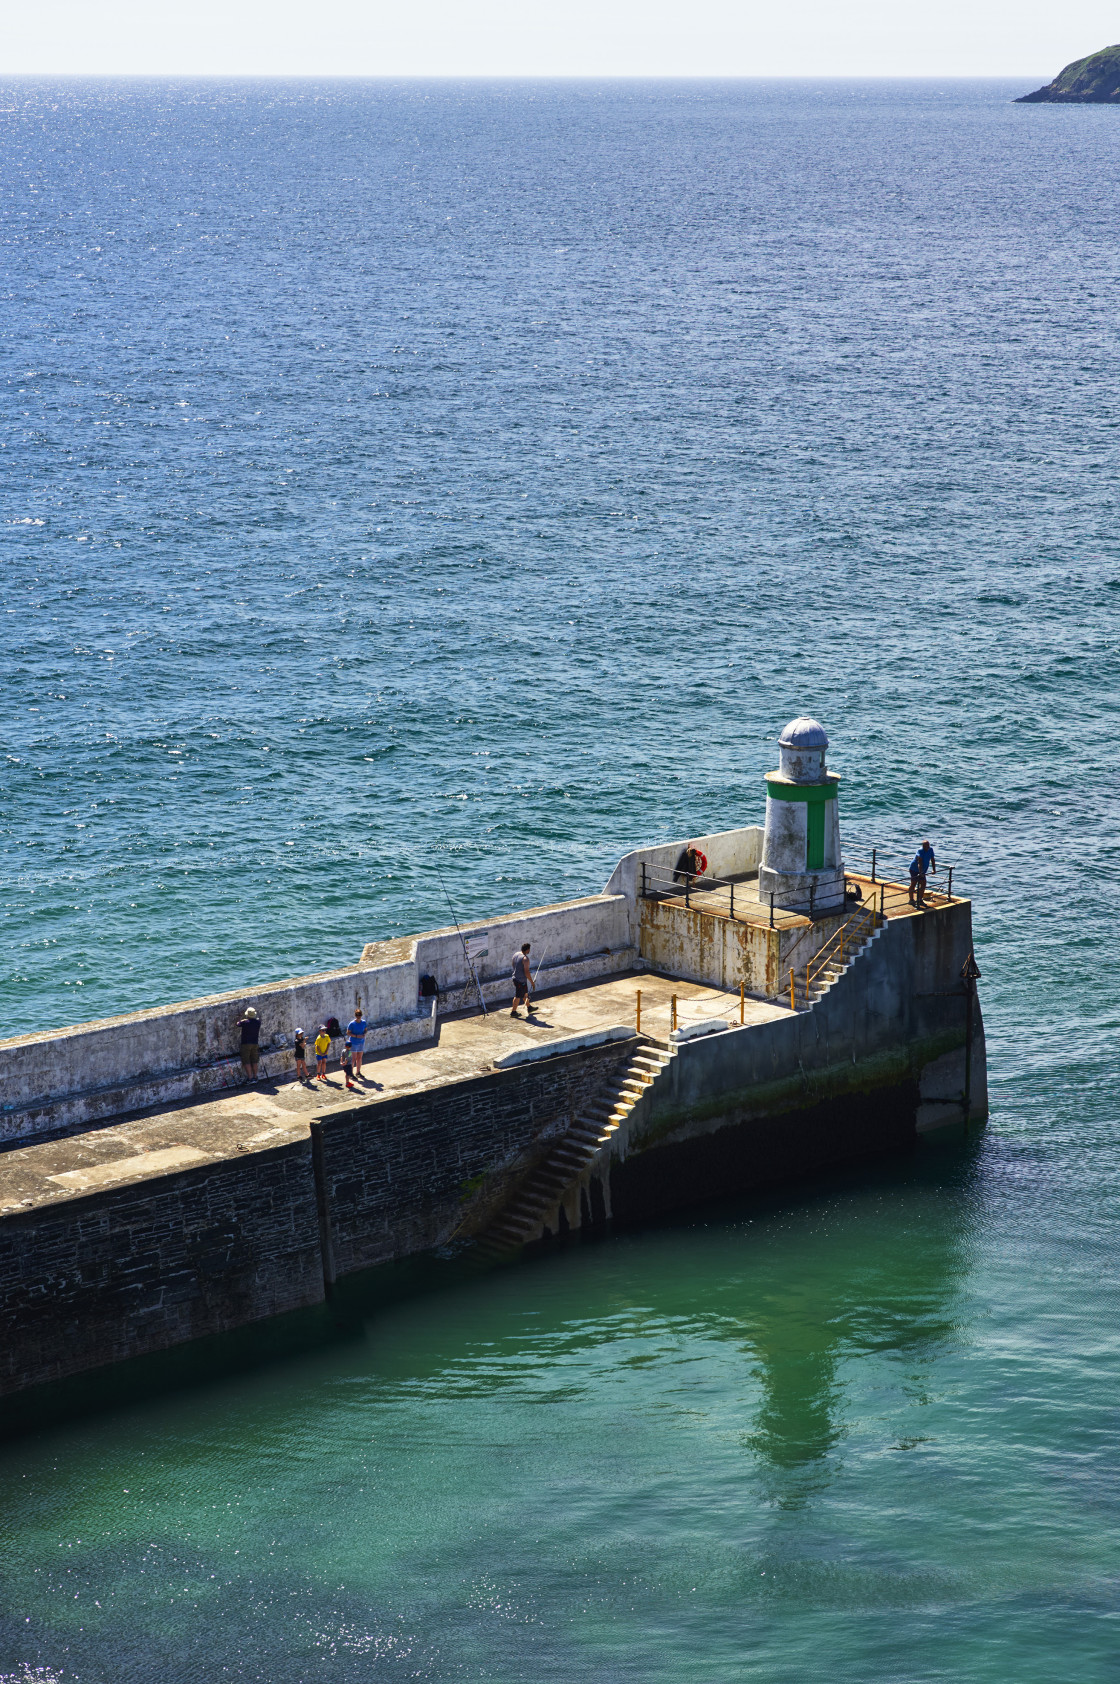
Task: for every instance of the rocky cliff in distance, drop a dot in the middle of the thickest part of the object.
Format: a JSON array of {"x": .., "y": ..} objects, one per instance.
[{"x": 1087, "y": 81}]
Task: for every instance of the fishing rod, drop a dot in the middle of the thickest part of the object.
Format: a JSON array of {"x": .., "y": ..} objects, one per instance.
[
  {"x": 463, "y": 940},
  {"x": 537, "y": 972}
]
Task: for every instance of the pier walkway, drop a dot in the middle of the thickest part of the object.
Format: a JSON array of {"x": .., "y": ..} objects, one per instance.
[{"x": 256, "y": 1116}]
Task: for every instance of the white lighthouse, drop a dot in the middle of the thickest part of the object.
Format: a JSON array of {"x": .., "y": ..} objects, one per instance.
[{"x": 801, "y": 865}]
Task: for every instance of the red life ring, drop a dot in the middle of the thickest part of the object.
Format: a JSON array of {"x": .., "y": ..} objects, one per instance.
[{"x": 701, "y": 861}]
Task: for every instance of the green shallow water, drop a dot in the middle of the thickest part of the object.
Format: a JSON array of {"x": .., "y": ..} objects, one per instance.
[{"x": 826, "y": 1435}]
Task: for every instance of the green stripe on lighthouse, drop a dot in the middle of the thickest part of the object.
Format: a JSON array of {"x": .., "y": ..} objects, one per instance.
[
  {"x": 814, "y": 837},
  {"x": 803, "y": 792}
]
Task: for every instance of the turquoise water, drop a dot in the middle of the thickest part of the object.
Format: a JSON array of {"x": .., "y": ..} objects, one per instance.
[
  {"x": 861, "y": 1431},
  {"x": 483, "y": 475}
]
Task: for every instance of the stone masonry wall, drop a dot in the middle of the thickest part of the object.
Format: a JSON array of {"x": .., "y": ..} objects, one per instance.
[
  {"x": 398, "y": 1175},
  {"x": 112, "y": 1274}
]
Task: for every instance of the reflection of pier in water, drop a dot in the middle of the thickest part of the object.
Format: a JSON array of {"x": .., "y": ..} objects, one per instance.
[{"x": 882, "y": 1282}]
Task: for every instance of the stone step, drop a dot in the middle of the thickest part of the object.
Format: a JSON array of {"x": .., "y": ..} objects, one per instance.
[
  {"x": 549, "y": 1185},
  {"x": 574, "y": 1153},
  {"x": 575, "y": 1161}
]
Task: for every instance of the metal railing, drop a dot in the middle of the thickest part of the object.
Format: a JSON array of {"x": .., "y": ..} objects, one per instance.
[
  {"x": 661, "y": 881},
  {"x": 873, "y": 860},
  {"x": 658, "y": 880}
]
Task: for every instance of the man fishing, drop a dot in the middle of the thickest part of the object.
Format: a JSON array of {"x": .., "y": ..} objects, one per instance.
[
  {"x": 920, "y": 867},
  {"x": 522, "y": 980}
]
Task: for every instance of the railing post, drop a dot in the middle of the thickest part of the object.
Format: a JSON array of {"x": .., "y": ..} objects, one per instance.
[
  {"x": 812, "y": 895},
  {"x": 883, "y": 901},
  {"x": 949, "y": 896},
  {"x": 874, "y": 853},
  {"x": 687, "y": 885},
  {"x": 771, "y": 910},
  {"x": 733, "y": 895},
  {"x": 673, "y": 1023},
  {"x": 638, "y": 1025},
  {"x": 643, "y": 879}
]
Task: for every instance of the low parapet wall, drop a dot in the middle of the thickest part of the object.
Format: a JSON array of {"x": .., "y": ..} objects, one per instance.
[
  {"x": 730, "y": 853},
  {"x": 85, "y": 1075},
  {"x": 82, "y": 1076},
  {"x": 571, "y": 941}
]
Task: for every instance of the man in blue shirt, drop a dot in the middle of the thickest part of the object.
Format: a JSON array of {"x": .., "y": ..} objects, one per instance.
[
  {"x": 920, "y": 867},
  {"x": 356, "y": 1039}
]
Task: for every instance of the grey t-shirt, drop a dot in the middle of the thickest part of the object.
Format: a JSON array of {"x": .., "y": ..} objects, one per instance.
[{"x": 521, "y": 967}]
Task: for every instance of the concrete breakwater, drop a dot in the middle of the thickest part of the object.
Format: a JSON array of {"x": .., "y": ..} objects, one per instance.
[{"x": 693, "y": 1041}]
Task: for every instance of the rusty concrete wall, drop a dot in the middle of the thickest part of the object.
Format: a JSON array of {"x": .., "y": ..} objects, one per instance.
[{"x": 701, "y": 947}]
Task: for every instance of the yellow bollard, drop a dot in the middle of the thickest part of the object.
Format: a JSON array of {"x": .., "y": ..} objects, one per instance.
[
  {"x": 792, "y": 995},
  {"x": 742, "y": 1003},
  {"x": 673, "y": 1025},
  {"x": 639, "y": 1011}
]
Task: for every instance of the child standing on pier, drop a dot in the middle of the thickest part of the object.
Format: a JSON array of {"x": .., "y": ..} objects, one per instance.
[
  {"x": 322, "y": 1048},
  {"x": 301, "y": 1057}
]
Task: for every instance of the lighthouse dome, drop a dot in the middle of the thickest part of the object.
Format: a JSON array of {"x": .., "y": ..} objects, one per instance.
[{"x": 804, "y": 733}]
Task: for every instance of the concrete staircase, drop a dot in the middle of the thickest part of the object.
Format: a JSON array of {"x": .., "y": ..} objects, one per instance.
[
  {"x": 833, "y": 967},
  {"x": 535, "y": 1207}
]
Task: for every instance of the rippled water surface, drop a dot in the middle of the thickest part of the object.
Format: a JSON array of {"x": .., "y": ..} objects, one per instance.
[{"x": 400, "y": 475}]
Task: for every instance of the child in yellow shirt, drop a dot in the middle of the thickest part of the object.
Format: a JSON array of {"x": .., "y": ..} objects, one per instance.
[{"x": 322, "y": 1048}]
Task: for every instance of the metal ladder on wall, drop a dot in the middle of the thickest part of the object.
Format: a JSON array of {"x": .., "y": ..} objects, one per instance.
[{"x": 535, "y": 1206}]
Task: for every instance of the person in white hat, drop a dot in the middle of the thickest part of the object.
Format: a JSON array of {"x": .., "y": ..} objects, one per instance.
[{"x": 250, "y": 1027}]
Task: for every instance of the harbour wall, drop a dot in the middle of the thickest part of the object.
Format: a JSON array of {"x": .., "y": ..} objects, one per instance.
[
  {"x": 220, "y": 1231},
  {"x": 103, "y": 1273},
  {"x": 892, "y": 1051}
]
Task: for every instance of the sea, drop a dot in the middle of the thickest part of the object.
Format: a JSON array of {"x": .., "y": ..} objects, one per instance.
[{"x": 413, "y": 495}]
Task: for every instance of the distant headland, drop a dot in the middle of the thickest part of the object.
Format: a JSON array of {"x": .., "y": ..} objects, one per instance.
[{"x": 1087, "y": 81}]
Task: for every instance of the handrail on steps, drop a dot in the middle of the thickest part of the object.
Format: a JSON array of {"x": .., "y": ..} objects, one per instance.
[{"x": 852, "y": 933}]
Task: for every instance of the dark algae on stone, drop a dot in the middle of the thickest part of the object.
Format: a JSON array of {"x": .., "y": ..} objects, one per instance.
[{"x": 1087, "y": 81}]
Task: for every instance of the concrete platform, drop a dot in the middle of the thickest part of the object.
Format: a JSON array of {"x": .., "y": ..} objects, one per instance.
[{"x": 269, "y": 1113}]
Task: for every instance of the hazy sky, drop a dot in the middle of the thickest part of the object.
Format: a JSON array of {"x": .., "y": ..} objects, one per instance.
[{"x": 555, "y": 37}]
